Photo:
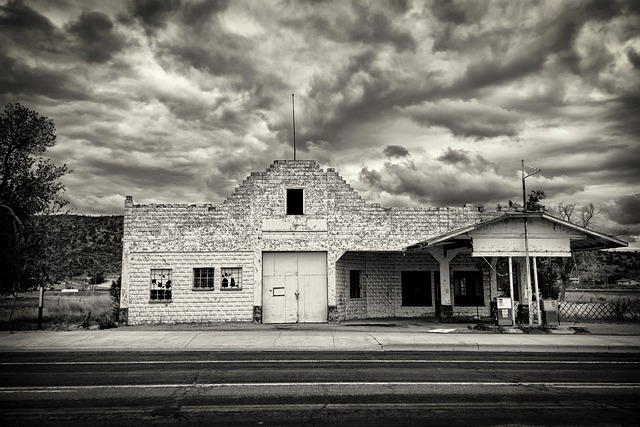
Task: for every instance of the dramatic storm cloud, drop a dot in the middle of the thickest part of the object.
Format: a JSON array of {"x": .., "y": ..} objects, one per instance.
[{"x": 413, "y": 102}]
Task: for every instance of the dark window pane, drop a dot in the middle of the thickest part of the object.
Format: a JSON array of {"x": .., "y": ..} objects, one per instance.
[
  {"x": 295, "y": 201},
  {"x": 354, "y": 284},
  {"x": 203, "y": 278},
  {"x": 468, "y": 288}
]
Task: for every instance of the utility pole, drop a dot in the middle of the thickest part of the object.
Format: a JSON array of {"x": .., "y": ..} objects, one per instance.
[
  {"x": 526, "y": 246},
  {"x": 524, "y": 192}
]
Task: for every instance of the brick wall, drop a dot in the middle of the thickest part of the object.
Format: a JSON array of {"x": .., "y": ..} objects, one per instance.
[{"x": 336, "y": 220}]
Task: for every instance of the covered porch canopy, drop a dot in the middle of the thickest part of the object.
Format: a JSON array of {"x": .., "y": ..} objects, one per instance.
[{"x": 521, "y": 235}]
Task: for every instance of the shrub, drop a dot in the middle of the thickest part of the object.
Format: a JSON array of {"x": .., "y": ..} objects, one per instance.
[{"x": 114, "y": 291}]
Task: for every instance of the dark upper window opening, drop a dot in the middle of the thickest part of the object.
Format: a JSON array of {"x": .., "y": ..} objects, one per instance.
[{"x": 295, "y": 201}]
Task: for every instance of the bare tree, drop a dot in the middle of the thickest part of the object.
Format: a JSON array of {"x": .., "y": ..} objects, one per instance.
[
  {"x": 586, "y": 214},
  {"x": 584, "y": 264},
  {"x": 565, "y": 211}
]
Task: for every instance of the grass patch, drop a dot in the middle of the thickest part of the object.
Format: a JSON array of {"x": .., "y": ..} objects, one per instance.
[
  {"x": 535, "y": 329},
  {"x": 579, "y": 330},
  {"x": 61, "y": 311},
  {"x": 486, "y": 327}
]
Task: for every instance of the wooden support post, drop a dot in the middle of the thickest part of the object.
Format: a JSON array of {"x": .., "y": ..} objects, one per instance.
[
  {"x": 444, "y": 258},
  {"x": 493, "y": 285},
  {"x": 513, "y": 302},
  {"x": 40, "y": 306}
]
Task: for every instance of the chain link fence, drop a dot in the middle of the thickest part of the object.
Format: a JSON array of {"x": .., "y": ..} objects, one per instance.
[
  {"x": 586, "y": 311},
  {"x": 599, "y": 311}
]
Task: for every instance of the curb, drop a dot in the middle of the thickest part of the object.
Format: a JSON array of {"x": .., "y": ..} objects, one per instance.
[
  {"x": 492, "y": 348},
  {"x": 460, "y": 348}
]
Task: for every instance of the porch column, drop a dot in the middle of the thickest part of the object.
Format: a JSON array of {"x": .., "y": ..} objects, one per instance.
[
  {"x": 535, "y": 282},
  {"x": 444, "y": 257},
  {"x": 493, "y": 292},
  {"x": 513, "y": 301},
  {"x": 523, "y": 306}
]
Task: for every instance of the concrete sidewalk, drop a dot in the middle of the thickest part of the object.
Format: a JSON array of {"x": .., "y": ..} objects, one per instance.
[{"x": 321, "y": 339}]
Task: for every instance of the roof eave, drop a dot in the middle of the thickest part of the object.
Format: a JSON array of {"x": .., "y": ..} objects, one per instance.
[{"x": 601, "y": 240}]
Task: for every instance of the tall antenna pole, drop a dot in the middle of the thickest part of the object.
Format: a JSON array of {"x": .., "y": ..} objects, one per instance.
[
  {"x": 293, "y": 109},
  {"x": 524, "y": 193}
]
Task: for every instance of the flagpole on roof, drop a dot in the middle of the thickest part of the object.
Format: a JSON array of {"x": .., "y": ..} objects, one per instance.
[{"x": 293, "y": 109}]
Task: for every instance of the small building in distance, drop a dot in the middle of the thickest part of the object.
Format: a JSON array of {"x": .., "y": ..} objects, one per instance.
[
  {"x": 627, "y": 282},
  {"x": 297, "y": 244}
]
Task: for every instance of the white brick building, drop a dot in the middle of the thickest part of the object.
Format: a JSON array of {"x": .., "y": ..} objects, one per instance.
[{"x": 298, "y": 244}]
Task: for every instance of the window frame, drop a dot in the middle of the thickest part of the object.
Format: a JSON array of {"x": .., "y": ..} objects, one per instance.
[
  {"x": 197, "y": 280},
  {"x": 411, "y": 289},
  {"x": 166, "y": 286},
  {"x": 290, "y": 209},
  {"x": 237, "y": 279},
  {"x": 355, "y": 284}
]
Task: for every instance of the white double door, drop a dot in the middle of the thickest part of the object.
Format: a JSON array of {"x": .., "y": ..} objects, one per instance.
[{"x": 294, "y": 287}]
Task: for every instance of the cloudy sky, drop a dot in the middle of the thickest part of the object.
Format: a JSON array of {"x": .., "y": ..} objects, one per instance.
[{"x": 415, "y": 103}]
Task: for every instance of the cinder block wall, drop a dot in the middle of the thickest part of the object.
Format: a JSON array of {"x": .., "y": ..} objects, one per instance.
[
  {"x": 188, "y": 305},
  {"x": 336, "y": 220},
  {"x": 381, "y": 284}
]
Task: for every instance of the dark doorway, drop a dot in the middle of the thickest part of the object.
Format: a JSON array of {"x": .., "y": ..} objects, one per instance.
[
  {"x": 436, "y": 283},
  {"x": 416, "y": 288}
]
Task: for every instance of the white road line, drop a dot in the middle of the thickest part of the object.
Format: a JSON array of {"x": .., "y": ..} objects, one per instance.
[
  {"x": 47, "y": 389},
  {"x": 289, "y": 361}
]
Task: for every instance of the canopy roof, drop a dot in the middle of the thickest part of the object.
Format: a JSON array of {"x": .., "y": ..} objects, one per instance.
[{"x": 553, "y": 236}]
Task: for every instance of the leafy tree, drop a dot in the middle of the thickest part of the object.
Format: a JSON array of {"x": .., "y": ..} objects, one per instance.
[
  {"x": 29, "y": 187},
  {"x": 533, "y": 201}
]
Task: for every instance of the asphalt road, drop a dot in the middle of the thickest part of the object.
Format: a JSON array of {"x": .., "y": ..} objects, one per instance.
[{"x": 235, "y": 388}]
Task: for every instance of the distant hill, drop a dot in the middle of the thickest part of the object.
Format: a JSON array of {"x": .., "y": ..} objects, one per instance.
[{"x": 84, "y": 246}]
